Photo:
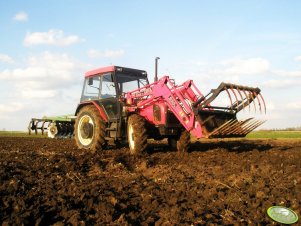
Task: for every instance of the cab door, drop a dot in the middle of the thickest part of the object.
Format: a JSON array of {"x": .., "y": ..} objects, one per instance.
[{"x": 108, "y": 97}]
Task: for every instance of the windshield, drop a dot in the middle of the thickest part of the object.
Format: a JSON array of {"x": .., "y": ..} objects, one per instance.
[{"x": 130, "y": 82}]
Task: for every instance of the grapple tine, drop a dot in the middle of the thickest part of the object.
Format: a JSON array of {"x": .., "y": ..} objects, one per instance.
[
  {"x": 258, "y": 101},
  {"x": 242, "y": 125},
  {"x": 221, "y": 128},
  {"x": 247, "y": 99},
  {"x": 254, "y": 126},
  {"x": 229, "y": 128},
  {"x": 242, "y": 99},
  {"x": 249, "y": 126},
  {"x": 251, "y": 95},
  {"x": 261, "y": 97},
  {"x": 232, "y": 89},
  {"x": 237, "y": 128},
  {"x": 229, "y": 98}
]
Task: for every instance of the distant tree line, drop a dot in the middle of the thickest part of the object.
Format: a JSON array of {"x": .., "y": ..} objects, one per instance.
[{"x": 298, "y": 128}]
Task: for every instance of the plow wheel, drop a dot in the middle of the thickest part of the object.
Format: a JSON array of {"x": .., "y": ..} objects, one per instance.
[
  {"x": 89, "y": 129},
  {"x": 183, "y": 141},
  {"x": 137, "y": 134},
  {"x": 52, "y": 130}
]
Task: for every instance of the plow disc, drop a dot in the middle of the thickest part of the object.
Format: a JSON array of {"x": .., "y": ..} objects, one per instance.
[
  {"x": 221, "y": 121},
  {"x": 56, "y": 127}
]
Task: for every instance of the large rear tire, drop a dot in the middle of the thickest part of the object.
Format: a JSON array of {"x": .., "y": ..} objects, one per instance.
[
  {"x": 89, "y": 129},
  {"x": 137, "y": 134}
]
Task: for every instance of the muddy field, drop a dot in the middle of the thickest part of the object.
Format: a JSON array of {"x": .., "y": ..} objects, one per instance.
[{"x": 50, "y": 181}]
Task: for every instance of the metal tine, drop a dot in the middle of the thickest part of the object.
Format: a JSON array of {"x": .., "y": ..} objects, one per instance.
[
  {"x": 228, "y": 129},
  {"x": 259, "y": 103},
  {"x": 248, "y": 128},
  {"x": 243, "y": 124},
  {"x": 235, "y": 127},
  {"x": 42, "y": 128},
  {"x": 229, "y": 97},
  {"x": 214, "y": 132},
  {"x": 225, "y": 128},
  {"x": 244, "y": 91},
  {"x": 232, "y": 89},
  {"x": 246, "y": 125},
  {"x": 221, "y": 127},
  {"x": 242, "y": 99},
  {"x": 253, "y": 126},
  {"x": 259, "y": 122},
  {"x": 36, "y": 127},
  {"x": 261, "y": 97},
  {"x": 238, "y": 128},
  {"x": 252, "y": 99}
]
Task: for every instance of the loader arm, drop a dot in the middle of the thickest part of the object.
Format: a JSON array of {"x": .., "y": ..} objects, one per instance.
[
  {"x": 175, "y": 98},
  {"x": 194, "y": 110}
]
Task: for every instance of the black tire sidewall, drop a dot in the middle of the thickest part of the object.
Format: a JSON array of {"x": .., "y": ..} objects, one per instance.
[{"x": 97, "y": 142}]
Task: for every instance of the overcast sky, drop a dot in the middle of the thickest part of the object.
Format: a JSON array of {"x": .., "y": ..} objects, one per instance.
[{"x": 46, "y": 46}]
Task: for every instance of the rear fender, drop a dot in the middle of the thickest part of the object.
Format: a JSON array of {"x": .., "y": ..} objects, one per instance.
[{"x": 100, "y": 109}]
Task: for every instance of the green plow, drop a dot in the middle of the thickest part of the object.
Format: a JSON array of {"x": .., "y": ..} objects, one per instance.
[{"x": 56, "y": 127}]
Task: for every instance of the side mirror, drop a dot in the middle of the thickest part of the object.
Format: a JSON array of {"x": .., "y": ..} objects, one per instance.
[{"x": 90, "y": 81}]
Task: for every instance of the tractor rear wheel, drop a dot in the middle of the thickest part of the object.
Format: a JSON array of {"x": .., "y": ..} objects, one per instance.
[
  {"x": 137, "y": 134},
  {"x": 183, "y": 141},
  {"x": 89, "y": 129}
]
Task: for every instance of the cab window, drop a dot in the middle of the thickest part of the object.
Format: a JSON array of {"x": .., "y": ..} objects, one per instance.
[
  {"x": 107, "y": 87},
  {"x": 91, "y": 88}
]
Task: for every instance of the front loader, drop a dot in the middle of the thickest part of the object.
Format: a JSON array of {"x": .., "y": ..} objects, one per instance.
[{"x": 120, "y": 105}]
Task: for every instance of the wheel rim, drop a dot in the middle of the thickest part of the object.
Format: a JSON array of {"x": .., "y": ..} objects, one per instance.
[
  {"x": 83, "y": 120},
  {"x": 52, "y": 130},
  {"x": 131, "y": 137}
]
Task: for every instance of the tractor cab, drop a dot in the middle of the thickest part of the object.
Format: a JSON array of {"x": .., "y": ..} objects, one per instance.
[{"x": 105, "y": 85}]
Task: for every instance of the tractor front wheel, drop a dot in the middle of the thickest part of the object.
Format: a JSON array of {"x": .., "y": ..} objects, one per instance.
[
  {"x": 137, "y": 134},
  {"x": 89, "y": 129},
  {"x": 181, "y": 143}
]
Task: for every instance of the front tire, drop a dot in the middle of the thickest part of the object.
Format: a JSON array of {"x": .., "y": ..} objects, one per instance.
[
  {"x": 183, "y": 141},
  {"x": 89, "y": 129},
  {"x": 137, "y": 134}
]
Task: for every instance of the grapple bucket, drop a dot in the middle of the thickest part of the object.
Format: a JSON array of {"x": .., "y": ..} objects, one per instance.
[{"x": 221, "y": 122}]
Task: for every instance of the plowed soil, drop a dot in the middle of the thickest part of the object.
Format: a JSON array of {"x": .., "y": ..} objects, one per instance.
[{"x": 50, "y": 181}]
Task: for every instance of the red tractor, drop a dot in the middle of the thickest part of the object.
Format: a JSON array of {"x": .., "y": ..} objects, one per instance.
[{"x": 119, "y": 104}]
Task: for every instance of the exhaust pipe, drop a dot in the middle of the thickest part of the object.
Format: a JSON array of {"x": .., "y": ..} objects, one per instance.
[{"x": 156, "y": 69}]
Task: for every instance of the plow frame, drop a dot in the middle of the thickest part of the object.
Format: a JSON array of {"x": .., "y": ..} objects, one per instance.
[{"x": 60, "y": 126}]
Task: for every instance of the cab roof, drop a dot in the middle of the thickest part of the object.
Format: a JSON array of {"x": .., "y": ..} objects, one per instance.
[{"x": 108, "y": 69}]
